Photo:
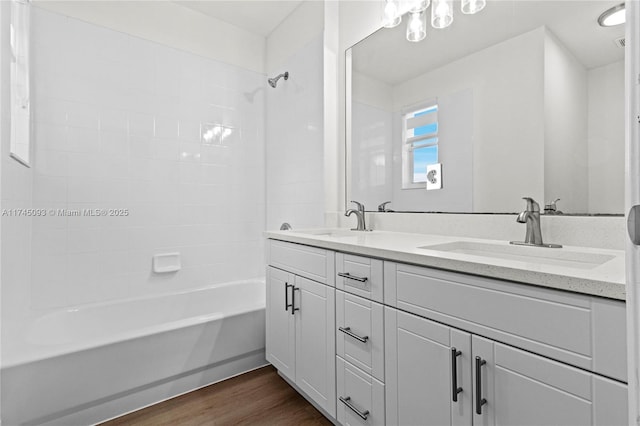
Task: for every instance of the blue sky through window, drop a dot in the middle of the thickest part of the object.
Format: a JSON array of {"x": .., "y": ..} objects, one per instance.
[{"x": 421, "y": 158}]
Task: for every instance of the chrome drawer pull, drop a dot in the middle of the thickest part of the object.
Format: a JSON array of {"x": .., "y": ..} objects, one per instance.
[
  {"x": 352, "y": 277},
  {"x": 362, "y": 414},
  {"x": 348, "y": 332}
]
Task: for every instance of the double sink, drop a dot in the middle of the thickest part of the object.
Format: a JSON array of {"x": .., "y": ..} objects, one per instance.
[{"x": 563, "y": 257}]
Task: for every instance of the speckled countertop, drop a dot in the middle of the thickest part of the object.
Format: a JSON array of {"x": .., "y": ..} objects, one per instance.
[{"x": 598, "y": 272}]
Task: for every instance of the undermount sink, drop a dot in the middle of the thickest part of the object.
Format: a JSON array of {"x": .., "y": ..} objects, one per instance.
[{"x": 547, "y": 256}]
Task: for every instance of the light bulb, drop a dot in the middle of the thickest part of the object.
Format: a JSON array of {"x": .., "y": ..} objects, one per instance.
[
  {"x": 416, "y": 27},
  {"x": 441, "y": 13},
  {"x": 392, "y": 17},
  {"x": 469, "y": 7},
  {"x": 419, "y": 5}
]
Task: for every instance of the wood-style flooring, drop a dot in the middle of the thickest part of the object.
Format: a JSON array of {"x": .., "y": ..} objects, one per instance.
[{"x": 259, "y": 397}]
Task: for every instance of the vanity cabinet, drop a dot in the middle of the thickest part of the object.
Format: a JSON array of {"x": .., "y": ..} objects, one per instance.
[
  {"x": 402, "y": 344},
  {"x": 428, "y": 368},
  {"x": 513, "y": 386},
  {"x": 300, "y": 320},
  {"x": 438, "y": 375}
]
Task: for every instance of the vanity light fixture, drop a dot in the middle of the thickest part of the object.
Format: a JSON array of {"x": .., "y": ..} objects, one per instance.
[
  {"x": 417, "y": 26},
  {"x": 392, "y": 15},
  {"x": 441, "y": 14},
  {"x": 419, "y": 6},
  {"x": 614, "y": 16},
  {"x": 471, "y": 7}
]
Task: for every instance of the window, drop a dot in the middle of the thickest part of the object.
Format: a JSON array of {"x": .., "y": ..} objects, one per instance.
[{"x": 419, "y": 144}]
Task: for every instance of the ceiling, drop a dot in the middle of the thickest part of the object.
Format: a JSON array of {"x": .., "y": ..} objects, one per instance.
[
  {"x": 257, "y": 16},
  {"x": 574, "y": 22}
]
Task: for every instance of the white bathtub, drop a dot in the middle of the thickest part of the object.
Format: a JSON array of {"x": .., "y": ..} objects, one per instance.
[{"x": 92, "y": 363}]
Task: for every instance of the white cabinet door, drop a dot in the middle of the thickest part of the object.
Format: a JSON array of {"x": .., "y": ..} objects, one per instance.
[
  {"x": 314, "y": 305},
  {"x": 521, "y": 388},
  {"x": 280, "y": 323},
  {"x": 420, "y": 372}
]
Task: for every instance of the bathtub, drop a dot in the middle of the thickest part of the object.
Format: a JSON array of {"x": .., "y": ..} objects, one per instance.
[{"x": 92, "y": 363}]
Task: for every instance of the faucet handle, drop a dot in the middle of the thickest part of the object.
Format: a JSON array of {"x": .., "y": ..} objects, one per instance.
[
  {"x": 551, "y": 205},
  {"x": 360, "y": 206},
  {"x": 382, "y": 207},
  {"x": 532, "y": 205}
]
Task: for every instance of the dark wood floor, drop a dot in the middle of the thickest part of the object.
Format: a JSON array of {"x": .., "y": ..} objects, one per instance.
[{"x": 259, "y": 397}]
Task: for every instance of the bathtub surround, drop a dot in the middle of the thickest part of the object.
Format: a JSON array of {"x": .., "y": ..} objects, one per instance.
[
  {"x": 173, "y": 139},
  {"x": 173, "y": 144},
  {"x": 294, "y": 121}
]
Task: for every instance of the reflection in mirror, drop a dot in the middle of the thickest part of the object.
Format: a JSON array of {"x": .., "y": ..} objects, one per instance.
[
  {"x": 20, "y": 108},
  {"x": 525, "y": 98}
]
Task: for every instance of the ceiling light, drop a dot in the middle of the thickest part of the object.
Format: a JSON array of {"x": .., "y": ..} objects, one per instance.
[
  {"x": 441, "y": 13},
  {"x": 392, "y": 16},
  {"x": 613, "y": 16},
  {"x": 470, "y": 7},
  {"x": 419, "y": 6},
  {"x": 417, "y": 26}
]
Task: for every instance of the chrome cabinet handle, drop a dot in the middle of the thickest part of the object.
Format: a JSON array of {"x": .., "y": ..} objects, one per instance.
[
  {"x": 293, "y": 299},
  {"x": 347, "y": 401},
  {"x": 480, "y": 401},
  {"x": 287, "y": 305},
  {"x": 455, "y": 390},
  {"x": 348, "y": 332},
  {"x": 352, "y": 277}
]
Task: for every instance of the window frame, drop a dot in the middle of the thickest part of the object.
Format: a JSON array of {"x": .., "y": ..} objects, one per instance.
[{"x": 410, "y": 144}]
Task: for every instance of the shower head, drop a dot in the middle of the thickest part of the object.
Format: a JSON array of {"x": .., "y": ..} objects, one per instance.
[{"x": 273, "y": 82}]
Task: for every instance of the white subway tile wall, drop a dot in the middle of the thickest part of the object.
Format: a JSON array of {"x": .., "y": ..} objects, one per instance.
[
  {"x": 118, "y": 124},
  {"x": 295, "y": 141}
]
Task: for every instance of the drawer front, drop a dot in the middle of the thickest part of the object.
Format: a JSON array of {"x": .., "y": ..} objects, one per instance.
[
  {"x": 552, "y": 323},
  {"x": 359, "y": 275},
  {"x": 360, "y": 333},
  {"x": 309, "y": 262},
  {"x": 360, "y": 397}
]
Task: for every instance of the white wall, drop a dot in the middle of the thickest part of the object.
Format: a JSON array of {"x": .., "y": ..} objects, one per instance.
[
  {"x": 606, "y": 138},
  {"x": 371, "y": 150},
  {"x": 565, "y": 128},
  {"x": 118, "y": 124},
  {"x": 16, "y": 190},
  {"x": 487, "y": 117},
  {"x": 172, "y": 25},
  {"x": 294, "y": 34},
  {"x": 295, "y": 165},
  {"x": 295, "y": 125}
]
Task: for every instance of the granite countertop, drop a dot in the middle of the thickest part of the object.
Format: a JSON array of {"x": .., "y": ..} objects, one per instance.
[{"x": 593, "y": 271}]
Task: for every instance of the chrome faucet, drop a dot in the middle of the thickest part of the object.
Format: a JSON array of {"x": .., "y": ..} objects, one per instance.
[
  {"x": 383, "y": 207},
  {"x": 359, "y": 212},
  {"x": 531, "y": 216}
]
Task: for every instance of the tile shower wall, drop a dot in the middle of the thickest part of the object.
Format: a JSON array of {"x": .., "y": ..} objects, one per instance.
[
  {"x": 295, "y": 141},
  {"x": 175, "y": 139}
]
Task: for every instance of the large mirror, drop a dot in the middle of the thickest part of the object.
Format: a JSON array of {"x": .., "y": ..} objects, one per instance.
[{"x": 525, "y": 98}]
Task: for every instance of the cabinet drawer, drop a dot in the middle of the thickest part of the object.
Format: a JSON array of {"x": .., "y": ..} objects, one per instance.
[
  {"x": 564, "y": 326},
  {"x": 360, "y": 397},
  {"x": 359, "y": 319},
  {"x": 310, "y": 262},
  {"x": 359, "y": 275}
]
